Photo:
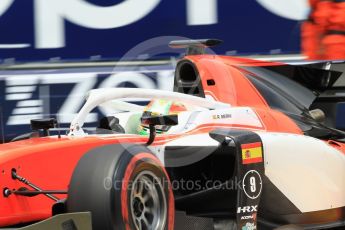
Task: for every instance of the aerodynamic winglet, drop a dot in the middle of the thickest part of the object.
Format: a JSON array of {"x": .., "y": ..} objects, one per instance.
[{"x": 195, "y": 47}]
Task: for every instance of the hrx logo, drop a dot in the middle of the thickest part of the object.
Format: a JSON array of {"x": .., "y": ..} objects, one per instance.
[{"x": 247, "y": 209}]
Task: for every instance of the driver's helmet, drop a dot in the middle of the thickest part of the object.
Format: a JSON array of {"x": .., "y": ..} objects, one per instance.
[{"x": 161, "y": 107}]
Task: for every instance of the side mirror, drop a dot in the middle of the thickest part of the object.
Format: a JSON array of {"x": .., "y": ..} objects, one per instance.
[
  {"x": 44, "y": 124},
  {"x": 152, "y": 121}
]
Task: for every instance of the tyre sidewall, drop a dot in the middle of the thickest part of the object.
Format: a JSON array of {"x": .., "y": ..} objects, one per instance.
[
  {"x": 135, "y": 160},
  {"x": 95, "y": 186}
]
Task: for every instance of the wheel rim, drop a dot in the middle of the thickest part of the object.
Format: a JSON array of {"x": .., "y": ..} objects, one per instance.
[{"x": 148, "y": 202}]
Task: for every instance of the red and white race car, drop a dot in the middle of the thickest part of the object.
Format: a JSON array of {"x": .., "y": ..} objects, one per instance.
[{"x": 240, "y": 149}]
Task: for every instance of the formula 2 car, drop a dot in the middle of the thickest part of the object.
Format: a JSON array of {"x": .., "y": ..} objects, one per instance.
[{"x": 243, "y": 149}]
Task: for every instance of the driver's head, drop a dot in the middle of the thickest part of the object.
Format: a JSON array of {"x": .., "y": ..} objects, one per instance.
[{"x": 161, "y": 107}]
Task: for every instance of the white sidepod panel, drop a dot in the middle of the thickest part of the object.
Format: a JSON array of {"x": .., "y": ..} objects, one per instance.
[{"x": 308, "y": 171}]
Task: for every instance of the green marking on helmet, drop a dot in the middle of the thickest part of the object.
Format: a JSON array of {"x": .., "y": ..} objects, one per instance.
[{"x": 161, "y": 106}]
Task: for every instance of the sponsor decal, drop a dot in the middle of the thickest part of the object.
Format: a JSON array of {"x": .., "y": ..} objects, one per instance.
[
  {"x": 252, "y": 184},
  {"x": 251, "y": 153},
  {"x": 249, "y": 217},
  {"x": 247, "y": 209},
  {"x": 249, "y": 226},
  {"x": 221, "y": 116}
]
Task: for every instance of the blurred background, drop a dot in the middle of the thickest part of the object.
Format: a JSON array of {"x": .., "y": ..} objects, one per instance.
[{"x": 53, "y": 51}]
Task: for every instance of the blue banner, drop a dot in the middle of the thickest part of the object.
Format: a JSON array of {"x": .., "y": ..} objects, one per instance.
[
  {"x": 36, "y": 94},
  {"x": 34, "y": 30}
]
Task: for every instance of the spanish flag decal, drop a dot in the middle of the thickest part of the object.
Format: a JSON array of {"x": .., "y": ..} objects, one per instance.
[{"x": 251, "y": 153}]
